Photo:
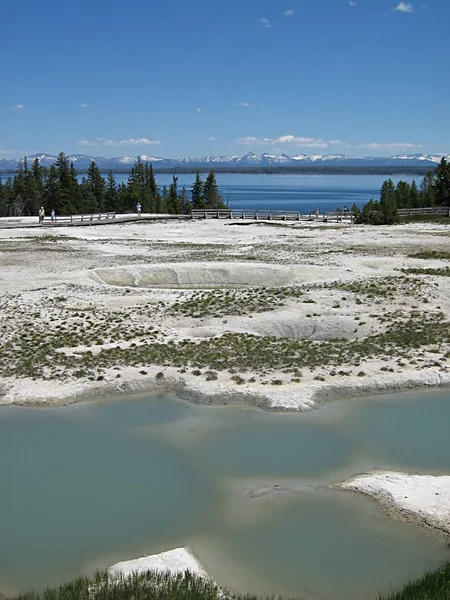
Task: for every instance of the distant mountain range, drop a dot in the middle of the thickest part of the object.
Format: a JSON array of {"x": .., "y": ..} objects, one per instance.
[{"x": 82, "y": 161}]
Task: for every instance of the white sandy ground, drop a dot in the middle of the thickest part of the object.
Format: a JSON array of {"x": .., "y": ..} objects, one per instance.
[
  {"x": 422, "y": 499},
  {"x": 175, "y": 561},
  {"x": 89, "y": 266}
]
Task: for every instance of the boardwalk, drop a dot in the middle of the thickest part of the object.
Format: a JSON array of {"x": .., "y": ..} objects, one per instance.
[
  {"x": 241, "y": 214},
  {"x": 431, "y": 210},
  {"x": 82, "y": 220},
  {"x": 272, "y": 215}
]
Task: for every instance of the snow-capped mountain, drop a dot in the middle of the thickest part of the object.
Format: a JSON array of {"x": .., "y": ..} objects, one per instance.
[{"x": 82, "y": 161}]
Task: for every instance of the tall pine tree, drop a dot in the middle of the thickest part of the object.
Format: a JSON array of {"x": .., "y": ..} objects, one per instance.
[
  {"x": 213, "y": 199},
  {"x": 185, "y": 202},
  {"x": 173, "y": 202},
  {"x": 111, "y": 194},
  {"x": 94, "y": 187},
  {"x": 387, "y": 203},
  {"x": 427, "y": 196},
  {"x": 197, "y": 192},
  {"x": 442, "y": 183}
]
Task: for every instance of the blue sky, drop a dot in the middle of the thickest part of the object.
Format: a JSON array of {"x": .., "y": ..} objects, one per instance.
[{"x": 359, "y": 77}]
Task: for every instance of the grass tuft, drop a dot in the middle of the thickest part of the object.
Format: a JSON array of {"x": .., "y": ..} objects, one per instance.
[{"x": 434, "y": 585}]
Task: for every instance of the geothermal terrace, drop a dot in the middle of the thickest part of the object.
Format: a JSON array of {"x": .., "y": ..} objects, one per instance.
[{"x": 281, "y": 316}]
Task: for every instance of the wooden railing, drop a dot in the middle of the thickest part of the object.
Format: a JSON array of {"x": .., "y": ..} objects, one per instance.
[
  {"x": 211, "y": 213},
  {"x": 270, "y": 215},
  {"x": 89, "y": 218},
  {"x": 430, "y": 210}
]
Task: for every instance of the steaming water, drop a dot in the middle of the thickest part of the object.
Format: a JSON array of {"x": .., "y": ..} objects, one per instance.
[{"x": 87, "y": 485}]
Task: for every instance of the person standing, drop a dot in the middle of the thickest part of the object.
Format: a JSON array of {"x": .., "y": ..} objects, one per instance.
[
  {"x": 138, "y": 209},
  {"x": 53, "y": 216},
  {"x": 41, "y": 215}
]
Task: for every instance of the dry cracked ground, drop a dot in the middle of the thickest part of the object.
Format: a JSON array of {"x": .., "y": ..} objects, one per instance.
[{"x": 284, "y": 312}]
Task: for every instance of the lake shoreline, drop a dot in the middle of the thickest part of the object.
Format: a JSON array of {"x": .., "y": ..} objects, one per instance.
[
  {"x": 423, "y": 500},
  {"x": 191, "y": 389}
]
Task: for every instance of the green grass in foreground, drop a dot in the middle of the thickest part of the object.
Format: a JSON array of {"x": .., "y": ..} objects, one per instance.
[
  {"x": 145, "y": 586},
  {"x": 434, "y": 585}
]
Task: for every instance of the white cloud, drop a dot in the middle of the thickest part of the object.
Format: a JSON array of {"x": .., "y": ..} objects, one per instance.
[
  {"x": 132, "y": 142},
  {"x": 404, "y": 7},
  {"x": 390, "y": 146},
  {"x": 288, "y": 13},
  {"x": 84, "y": 105},
  {"x": 212, "y": 139},
  {"x": 265, "y": 22},
  {"x": 199, "y": 109},
  {"x": 244, "y": 104},
  {"x": 283, "y": 140},
  {"x": 352, "y": 2},
  {"x": 17, "y": 107},
  {"x": 88, "y": 143},
  {"x": 127, "y": 142}
]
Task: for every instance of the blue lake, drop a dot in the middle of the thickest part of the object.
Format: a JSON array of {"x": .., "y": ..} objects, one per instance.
[{"x": 304, "y": 193}]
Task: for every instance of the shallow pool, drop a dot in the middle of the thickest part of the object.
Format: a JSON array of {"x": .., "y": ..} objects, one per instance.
[{"x": 87, "y": 485}]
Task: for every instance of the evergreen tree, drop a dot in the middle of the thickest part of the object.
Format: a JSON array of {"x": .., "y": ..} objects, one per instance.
[
  {"x": 52, "y": 191},
  {"x": 173, "y": 202},
  {"x": 17, "y": 206},
  {"x": 34, "y": 188},
  {"x": 19, "y": 185},
  {"x": 427, "y": 197},
  {"x": 37, "y": 171},
  {"x": 136, "y": 186},
  {"x": 76, "y": 192},
  {"x": 3, "y": 198},
  {"x": 387, "y": 203},
  {"x": 94, "y": 188},
  {"x": 403, "y": 194},
  {"x": 159, "y": 204},
  {"x": 356, "y": 211},
  {"x": 371, "y": 213},
  {"x": 383, "y": 212},
  {"x": 137, "y": 174},
  {"x": 122, "y": 198},
  {"x": 442, "y": 183},
  {"x": 414, "y": 196},
  {"x": 63, "y": 201},
  {"x": 88, "y": 202},
  {"x": 213, "y": 199},
  {"x": 164, "y": 198},
  {"x": 111, "y": 194},
  {"x": 185, "y": 202},
  {"x": 27, "y": 184},
  {"x": 7, "y": 196},
  {"x": 152, "y": 194},
  {"x": 197, "y": 192}
]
